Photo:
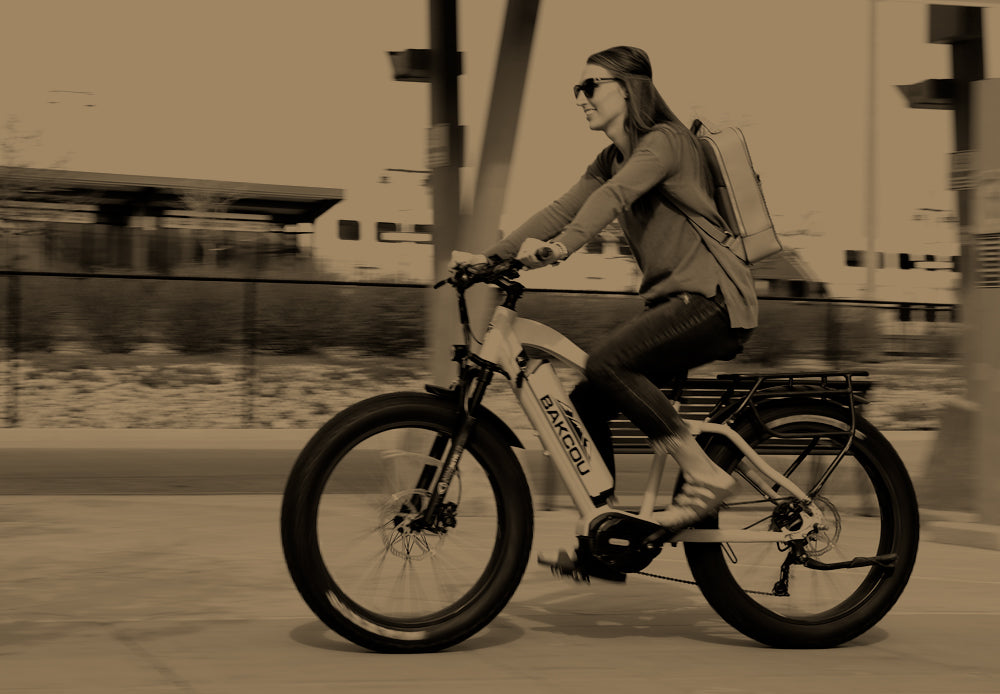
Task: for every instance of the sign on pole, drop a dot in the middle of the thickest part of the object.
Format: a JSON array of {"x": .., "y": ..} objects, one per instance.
[
  {"x": 438, "y": 151},
  {"x": 962, "y": 170}
]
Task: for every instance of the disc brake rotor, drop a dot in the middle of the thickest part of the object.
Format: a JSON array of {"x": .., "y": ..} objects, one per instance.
[
  {"x": 402, "y": 527},
  {"x": 822, "y": 540}
]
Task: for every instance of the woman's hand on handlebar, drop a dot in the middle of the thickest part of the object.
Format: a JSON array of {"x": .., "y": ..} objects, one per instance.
[
  {"x": 463, "y": 259},
  {"x": 535, "y": 253},
  {"x": 466, "y": 269}
]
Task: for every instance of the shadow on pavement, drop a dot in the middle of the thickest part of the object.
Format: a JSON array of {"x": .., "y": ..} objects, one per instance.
[
  {"x": 609, "y": 611},
  {"x": 317, "y": 635}
]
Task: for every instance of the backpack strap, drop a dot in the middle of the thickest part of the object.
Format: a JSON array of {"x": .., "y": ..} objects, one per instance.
[{"x": 722, "y": 236}]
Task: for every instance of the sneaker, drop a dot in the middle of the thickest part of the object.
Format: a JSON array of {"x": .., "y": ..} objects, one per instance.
[{"x": 695, "y": 502}]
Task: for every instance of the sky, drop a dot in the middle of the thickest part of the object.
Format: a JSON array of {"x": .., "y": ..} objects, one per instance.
[{"x": 301, "y": 93}]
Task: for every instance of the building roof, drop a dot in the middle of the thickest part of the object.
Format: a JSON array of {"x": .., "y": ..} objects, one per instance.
[
  {"x": 154, "y": 195},
  {"x": 787, "y": 265}
]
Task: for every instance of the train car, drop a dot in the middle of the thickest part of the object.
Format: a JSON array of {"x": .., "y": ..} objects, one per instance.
[{"x": 399, "y": 249}]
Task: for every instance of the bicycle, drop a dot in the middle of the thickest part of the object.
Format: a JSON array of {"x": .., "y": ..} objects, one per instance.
[{"x": 407, "y": 519}]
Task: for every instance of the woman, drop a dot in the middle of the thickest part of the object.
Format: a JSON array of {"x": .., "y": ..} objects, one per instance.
[{"x": 700, "y": 301}]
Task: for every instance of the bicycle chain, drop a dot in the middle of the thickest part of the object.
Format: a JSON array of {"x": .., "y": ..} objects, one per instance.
[{"x": 692, "y": 583}]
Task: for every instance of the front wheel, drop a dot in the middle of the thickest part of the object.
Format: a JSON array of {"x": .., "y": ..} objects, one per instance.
[
  {"x": 870, "y": 509},
  {"x": 359, "y": 547}
]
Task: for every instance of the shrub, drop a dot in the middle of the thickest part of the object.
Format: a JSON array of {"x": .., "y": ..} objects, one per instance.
[
  {"x": 200, "y": 317},
  {"x": 113, "y": 313},
  {"x": 384, "y": 320},
  {"x": 39, "y": 313},
  {"x": 783, "y": 330},
  {"x": 296, "y": 319}
]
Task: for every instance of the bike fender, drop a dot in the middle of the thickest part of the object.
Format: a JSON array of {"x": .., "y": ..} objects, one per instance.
[
  {"x": 484, "y": 415},
  {"x": 805, "y": 397}
]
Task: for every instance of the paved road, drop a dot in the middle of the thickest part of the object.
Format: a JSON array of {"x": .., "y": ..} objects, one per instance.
[
  {"x": 200, "y": 461},
  {"x": 188, "y": 593}
]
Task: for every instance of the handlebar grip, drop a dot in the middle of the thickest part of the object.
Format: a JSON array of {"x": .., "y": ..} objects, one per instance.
[{"x": 544, "y": 253}]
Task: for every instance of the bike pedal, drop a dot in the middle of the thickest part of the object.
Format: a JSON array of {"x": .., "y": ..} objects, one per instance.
[{"x": 563, "y": 565}]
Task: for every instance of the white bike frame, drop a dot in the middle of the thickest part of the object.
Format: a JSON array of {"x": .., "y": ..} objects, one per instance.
[{"x": 568, "y": 444}]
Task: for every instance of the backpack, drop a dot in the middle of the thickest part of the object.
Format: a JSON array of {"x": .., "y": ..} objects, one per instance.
[{"x": 738, "y": 195}]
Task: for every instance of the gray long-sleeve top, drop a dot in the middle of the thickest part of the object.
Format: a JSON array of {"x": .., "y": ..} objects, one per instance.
[{"x": 673, "y": 254}]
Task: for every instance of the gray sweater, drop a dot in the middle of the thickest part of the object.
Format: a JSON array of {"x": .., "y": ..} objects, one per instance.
[{"x": 673, "y": 254}]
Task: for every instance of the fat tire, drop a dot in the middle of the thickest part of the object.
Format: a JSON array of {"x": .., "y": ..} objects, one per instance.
[
  {"x": 299, "y": 534},
  {"x": 710, "y": 569}
]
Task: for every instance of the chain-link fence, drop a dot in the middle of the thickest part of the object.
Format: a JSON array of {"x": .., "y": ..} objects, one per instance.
[{"x": 123, "y": 350}]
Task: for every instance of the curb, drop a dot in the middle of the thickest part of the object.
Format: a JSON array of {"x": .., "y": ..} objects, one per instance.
[{"x": 149, "y": 461}]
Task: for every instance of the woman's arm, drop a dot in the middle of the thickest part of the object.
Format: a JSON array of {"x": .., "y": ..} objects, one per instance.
[
  {"x": 656, "y": 157},
  {"x": 550, "y": 220}
]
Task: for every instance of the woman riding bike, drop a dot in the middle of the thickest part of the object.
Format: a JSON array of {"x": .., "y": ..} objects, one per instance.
[{"x": 700, "y": 301}]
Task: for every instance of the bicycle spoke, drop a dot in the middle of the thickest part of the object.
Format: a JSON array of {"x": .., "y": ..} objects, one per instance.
[{"x": 374, "y": 542}]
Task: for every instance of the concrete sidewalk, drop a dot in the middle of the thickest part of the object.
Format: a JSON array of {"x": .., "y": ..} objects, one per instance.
[
  {"x": 189, "y": 593},
  {"x": 257, "y": 461}
]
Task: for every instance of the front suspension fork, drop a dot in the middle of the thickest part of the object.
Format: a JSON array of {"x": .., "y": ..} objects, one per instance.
[{"x": 468, "y": 403}]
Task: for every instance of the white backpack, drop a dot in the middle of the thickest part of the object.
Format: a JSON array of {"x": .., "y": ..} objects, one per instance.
[{"x": 738, "y": 195}]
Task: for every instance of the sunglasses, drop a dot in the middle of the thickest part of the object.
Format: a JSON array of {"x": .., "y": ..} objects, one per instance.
[{"x": 589, "y": 85}]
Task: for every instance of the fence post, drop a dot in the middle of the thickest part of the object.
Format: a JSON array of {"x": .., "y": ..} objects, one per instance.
[
  {"x": 250, "y": 347},
  {"x": 13, "y": 345},
  {"x": 834, "y": 347}
]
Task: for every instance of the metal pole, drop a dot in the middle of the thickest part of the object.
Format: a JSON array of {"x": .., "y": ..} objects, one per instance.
[
  {"x": 982, "y": 319},
  {"x": 446, "y": 133},
  {"x": 967, "y": 67},
  {"x": 963, "y": 471},
  {"x": 870, "y": 205},
  {"x": 13, "y": 345},
  {"x": 498, "y": 143},
  {"x": 249, "y": 349}
]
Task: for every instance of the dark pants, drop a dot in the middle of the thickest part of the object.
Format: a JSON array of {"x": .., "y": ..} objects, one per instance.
[{"x": 628, "y": 367}]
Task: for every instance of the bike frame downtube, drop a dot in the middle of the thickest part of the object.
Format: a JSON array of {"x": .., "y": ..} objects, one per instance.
[
  {"x": 545, "y": 403},
  {"x": 504, "y": 344}
]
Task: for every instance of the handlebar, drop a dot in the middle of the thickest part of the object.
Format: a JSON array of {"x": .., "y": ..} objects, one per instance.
[{"x": 494, "y": 271}]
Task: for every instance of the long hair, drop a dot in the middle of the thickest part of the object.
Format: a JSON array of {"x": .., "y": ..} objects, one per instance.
[{"x": 645, "y": 108}]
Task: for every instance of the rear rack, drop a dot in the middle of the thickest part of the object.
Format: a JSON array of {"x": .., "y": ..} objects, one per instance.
[{"x": 727, "y": 395}]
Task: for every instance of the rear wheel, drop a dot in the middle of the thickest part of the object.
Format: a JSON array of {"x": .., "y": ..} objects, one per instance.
[
  {"x": 358, "y": 545},
  {"x": 870, "y": 508}
]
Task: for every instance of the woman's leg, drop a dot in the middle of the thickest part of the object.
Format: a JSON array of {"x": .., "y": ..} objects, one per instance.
[
  {"x": 683, "y": 332},
  {"x": 596, "y": 411}
]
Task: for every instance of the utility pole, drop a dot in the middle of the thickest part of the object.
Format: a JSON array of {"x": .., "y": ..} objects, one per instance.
[
  {"x": 440, "y": 65},
  {"x": 483, "y": 227},
  {"x": 871, "y": 218},
  {"x": 445, "y": 159},
  {"x": 962, "y": 472}
]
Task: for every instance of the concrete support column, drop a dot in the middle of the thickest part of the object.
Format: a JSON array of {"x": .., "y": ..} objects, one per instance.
[{"x": 983, "y": 315}]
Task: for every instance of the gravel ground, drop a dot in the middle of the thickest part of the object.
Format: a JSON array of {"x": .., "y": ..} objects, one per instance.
[{"x": 154, "y": 388}]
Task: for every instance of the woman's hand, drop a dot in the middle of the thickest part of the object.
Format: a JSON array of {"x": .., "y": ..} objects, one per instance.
[
  {"x": 460, "y": 258},
  {"x": 534, "y": 253}
]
